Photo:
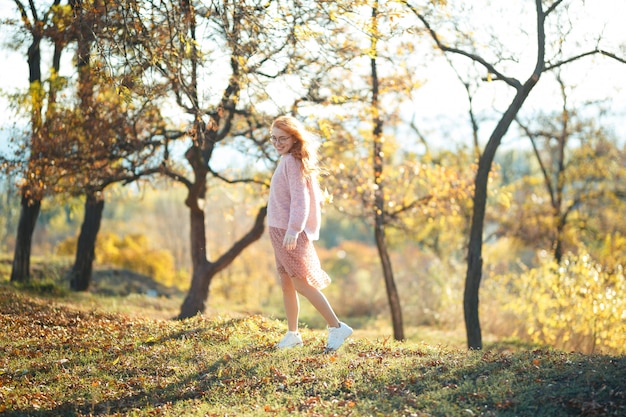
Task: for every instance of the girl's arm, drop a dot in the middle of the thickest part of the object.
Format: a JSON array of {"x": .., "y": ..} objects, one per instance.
[{"x": 300, "y": 204}]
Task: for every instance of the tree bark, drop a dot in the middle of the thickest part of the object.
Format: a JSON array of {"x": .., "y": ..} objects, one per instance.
[
  {"x": 558, "y": 242},
  {"x": 80, "y": 276},
  {"x": 26, "y": 226},
  {"x": 474, "y": 256},
  {"x": 379, "y": 192},
  {"x": 31, "y": 202},
  {"x": 392, "y": 292},
  {"x": 203, "y": 270}
]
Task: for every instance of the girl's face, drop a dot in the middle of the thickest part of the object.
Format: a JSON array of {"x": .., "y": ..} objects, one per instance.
[{"x": 283, "y": 141}]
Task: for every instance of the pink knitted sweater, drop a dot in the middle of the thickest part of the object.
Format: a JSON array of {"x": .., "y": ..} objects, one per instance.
[{"x": 294, "y": 203}]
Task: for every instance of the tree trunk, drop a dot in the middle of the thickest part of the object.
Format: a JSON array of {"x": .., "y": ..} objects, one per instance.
[
  {"x": 558, "y": 239},
  {"x": 379, "y": 193},
  {"x": 30, "y": 204},
  {"x": 198, "y": 294},
  {"x": 80, "y": 276},
  {"x": 475, "y": 246},
  {"x": 474, "y": 255},
  {"x": 23, "y": 242},
  {"x": 204, "y": 270},
  {"x": 392, "y": 292},
  {"x": 474, "y": 258}
]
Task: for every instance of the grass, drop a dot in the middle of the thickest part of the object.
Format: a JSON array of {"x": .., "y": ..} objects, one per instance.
[{"x": 60, "y": 359}]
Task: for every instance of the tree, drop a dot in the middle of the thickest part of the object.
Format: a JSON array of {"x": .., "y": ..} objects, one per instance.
[
  {"x": 85, "y": 139},
  {"x": 379, "y": 191},
  {"x": 575, "y": 159},
  {"x": 521, "y": 91},
  {"x": 375, "y": 173},
  {"x": 219, "y": 61},
  {"x": 120, "y": 133},
  {"x": 33, "y": 185}
]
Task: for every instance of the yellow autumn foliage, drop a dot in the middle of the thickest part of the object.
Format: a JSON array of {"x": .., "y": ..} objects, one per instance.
[
  {"x": 132, "y": 252},
  {"x": 575, "y": 305}
]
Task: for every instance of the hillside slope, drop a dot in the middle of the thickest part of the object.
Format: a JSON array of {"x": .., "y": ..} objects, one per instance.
[{"x": 58, "y": 360}]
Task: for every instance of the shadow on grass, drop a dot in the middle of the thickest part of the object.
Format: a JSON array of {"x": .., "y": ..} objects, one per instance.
[
  {"x": 506, "y": 379},
  {"x": 511, "y": 345},
  {"x": 513, "y": 382},
  {"x": 202, "y": 382},
  {"x": 491, "y": 383}
]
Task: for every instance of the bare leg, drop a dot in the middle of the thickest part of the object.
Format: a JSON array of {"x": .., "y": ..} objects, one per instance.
[
  {"x": 318, "y": 300},
  {"x": 291, "y": 302}
]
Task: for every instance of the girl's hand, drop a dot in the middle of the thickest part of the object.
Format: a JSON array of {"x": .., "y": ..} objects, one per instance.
[{"x": 290, "y": 241}]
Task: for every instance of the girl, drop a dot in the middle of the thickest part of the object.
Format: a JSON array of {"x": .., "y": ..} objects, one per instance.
[{"x": 293, "y": 214}]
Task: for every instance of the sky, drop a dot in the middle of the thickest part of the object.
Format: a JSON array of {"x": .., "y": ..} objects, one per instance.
[
  {"x": 594, "y": 78},
  {"x": 442, "y": 96}
]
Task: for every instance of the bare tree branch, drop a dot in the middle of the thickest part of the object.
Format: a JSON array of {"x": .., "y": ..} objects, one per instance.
[
  {"x": 236, "y": 180},
  {"x": 583, "y": 55},
  {"x": 474, "y": 57}
]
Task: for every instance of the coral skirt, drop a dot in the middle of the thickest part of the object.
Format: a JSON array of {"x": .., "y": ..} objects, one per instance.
[{"x": 299, "y": 263}]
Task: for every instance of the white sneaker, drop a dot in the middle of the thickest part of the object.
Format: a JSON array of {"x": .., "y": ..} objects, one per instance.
[
  {"x": 337, "y": 335},
  {"x": 291, "y": 339}
]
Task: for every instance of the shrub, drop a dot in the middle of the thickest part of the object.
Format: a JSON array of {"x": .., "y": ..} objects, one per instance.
[
  {"x": 576, "y": 305},
  {"x": 132, "y": 252}
]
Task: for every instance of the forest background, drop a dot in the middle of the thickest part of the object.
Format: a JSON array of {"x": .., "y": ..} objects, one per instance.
[{"x": 162, "y": 122}]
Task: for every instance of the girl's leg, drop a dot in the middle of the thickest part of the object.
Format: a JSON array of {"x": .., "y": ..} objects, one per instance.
[
  {"x": 291, "y": 302},
  {"x": 318, "y": 300}
]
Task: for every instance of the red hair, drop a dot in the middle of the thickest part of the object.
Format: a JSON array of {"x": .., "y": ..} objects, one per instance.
[{"x": 304, "y": 147}]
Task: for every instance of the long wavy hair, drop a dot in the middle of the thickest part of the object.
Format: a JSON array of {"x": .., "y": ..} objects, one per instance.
[{"x": 305, "y": 145}]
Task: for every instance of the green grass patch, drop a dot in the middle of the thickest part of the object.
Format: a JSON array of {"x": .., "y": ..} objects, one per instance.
[{"x": 57, "y": 360}]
